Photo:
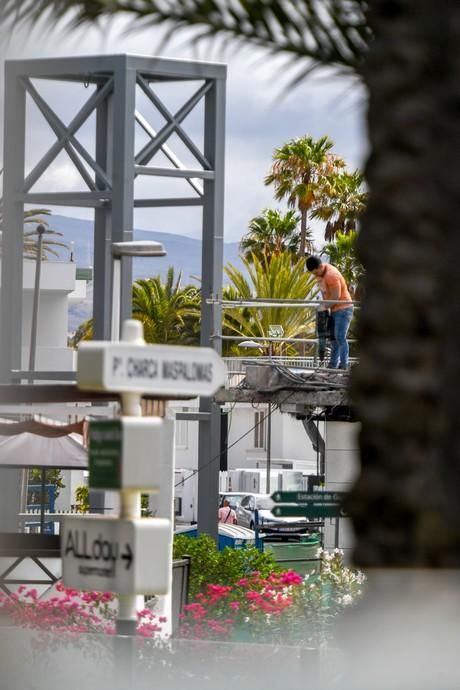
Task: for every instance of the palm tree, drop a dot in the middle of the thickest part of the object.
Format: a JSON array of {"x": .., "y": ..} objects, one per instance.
[
  {"x": 35, "y": 217},
  {"x": 270, "y": 233},
  {"x": 300, "y": 172},
  {"x": 230, "y": 324},
  {"x": 277, "y": 279},
  {"x": 342, "y": 254},
  {"x": 83, "y": 332},
  {"x": 169, "y": 312},
  {"x": 343, "y": 204}
]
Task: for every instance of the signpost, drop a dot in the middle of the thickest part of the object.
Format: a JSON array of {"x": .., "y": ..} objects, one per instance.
[
  {"x": 275, "y": 331},
  {"x": 129, "y": 555},
  {"x": 163, "y": 370},
  {"x": 113, "y": 555},
  {"x": 309, "y": 504},
  {"x": 130, "y": 453}
]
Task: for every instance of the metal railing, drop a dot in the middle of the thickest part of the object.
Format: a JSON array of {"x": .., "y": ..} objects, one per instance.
[{"x": 237, "y": 366}]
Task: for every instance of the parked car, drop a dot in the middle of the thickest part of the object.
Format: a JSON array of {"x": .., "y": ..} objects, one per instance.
[
  {"x": 246, "y": 516},
  {"x": 233, "y": 497}
]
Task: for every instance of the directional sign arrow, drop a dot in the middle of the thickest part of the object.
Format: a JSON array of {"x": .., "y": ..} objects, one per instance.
[
  {"x": 166, "y": 370},
  {"x": 310, "y": 510},
  {"x": 308, "y": 496},
  {"x": 127, "y": 556}
]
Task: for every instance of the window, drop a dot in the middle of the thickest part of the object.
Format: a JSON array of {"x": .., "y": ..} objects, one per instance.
[
  {"x": 181, "y": 433},
  {"x": 259, "y": 429}
]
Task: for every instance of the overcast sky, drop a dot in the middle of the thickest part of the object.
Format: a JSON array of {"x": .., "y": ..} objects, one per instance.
[{"x": 261, "y": 115}]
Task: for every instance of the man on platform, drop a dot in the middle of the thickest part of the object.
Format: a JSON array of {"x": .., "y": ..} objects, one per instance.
[{"x": 334, "y": 289}]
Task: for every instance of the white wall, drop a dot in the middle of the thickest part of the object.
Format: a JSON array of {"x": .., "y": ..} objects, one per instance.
[
  {"x": 57, "y": 283},
  {"x": 342, "y": 467},
  {"x": 290, "y": 443}
]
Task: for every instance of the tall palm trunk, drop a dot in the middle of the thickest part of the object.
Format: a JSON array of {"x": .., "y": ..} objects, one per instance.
[
  {"x": 303, "y": 231},
  {"x": 405, "y": 505}
]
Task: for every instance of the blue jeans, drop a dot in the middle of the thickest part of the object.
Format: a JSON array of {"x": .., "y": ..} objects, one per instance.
[{"x": 339, "y": 348}]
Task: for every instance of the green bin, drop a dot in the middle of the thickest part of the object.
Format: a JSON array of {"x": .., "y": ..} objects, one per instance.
[{"x": 301, "y": 556}]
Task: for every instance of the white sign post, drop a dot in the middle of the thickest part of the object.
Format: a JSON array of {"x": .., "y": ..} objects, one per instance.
[
  {"x": 129, "y": 555},
  {"x": 166, "y": 370},
  {"x": 116, "y": 555}
]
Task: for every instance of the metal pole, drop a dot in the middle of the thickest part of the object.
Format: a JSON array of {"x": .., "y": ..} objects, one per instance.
[
  {"x": 42, "y": 500},
  {"x": 269, "y": 433},
  {"x": 116, "y": 300},
  {"x": 211, "y": 287},
  {"x": 35, "y": 307},
  {"x": 269, "y": 447},
  {"x": 13, "y": 224},
  {"x": 130, "y": 501}
]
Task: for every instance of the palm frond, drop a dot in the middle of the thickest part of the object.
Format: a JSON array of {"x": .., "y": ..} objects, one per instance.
[{"x": 324, "y": 32}]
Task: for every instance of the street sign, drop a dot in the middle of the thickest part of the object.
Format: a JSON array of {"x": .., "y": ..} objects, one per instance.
[
  {"x": 275, "y": 331},
  {"x": 105, "y": 452},
  {"x": 166, "y": 370},
  {"x": 310, "y": 504},
  {"x": 116, "y": 555},
  {"x": 133, "y": 453},
  {"x": 319, "y": 510},
  {"x": 307, "y": 496}
]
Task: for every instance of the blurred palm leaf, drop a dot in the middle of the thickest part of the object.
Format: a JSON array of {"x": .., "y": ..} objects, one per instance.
[{"x": 325, "y": 32}]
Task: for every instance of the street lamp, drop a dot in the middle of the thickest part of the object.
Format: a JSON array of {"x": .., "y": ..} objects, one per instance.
[
  {"x": 250, "y": 344},
  {"x": 40, "y": 230},
  {"x": 120, "y": 249}
]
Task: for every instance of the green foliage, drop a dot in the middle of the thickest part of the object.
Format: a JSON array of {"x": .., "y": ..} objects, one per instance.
[
  {"x": 210, "y": 566},
  {"x": 145, "y": 510},
  {"x": 169, "y": 312},
  {"x": 82, "y": 499},
  {"x": 344, "y": 201},
  {"x": 53, "y": 476},
  {"x": 343, "y": 255},
  {"x": 300, "y": 173},
  {"x": 278, "y": 279},
  {"x": 35, "y": 216},
  {"x": 270, "y": 233},
  {"x": 84, "y": 332}
]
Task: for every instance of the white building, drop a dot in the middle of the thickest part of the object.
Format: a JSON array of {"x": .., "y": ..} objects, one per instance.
[
  {"x": 291, "y": 449},
  {"x": 58, "y": 288}
]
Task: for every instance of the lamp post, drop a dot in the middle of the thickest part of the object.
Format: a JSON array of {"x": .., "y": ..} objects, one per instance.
[
  {"x": 40, "y": 230},
  {"x": 119, "y": 250}
]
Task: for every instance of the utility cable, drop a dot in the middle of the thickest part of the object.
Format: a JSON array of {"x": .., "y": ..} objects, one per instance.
[{"x": 227, "y": 447}]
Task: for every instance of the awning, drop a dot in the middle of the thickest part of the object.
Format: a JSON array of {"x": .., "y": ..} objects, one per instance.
[{"x": 32, "y": 450}]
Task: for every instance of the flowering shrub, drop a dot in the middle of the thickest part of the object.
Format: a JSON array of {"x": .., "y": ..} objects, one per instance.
[
  {"x": 279, "y": 608},
  {"x": 256, "y": 601},
  {"x": 71, "y": 611},
  {"x": 219, "y": 567}
]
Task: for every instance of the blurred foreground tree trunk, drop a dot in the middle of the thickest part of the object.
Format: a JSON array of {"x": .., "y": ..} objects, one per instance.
[{"x": 404, "y": 505}]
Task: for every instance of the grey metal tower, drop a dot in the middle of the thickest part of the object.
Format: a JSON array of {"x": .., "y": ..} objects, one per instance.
[{"x": 108, "y": 170}]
